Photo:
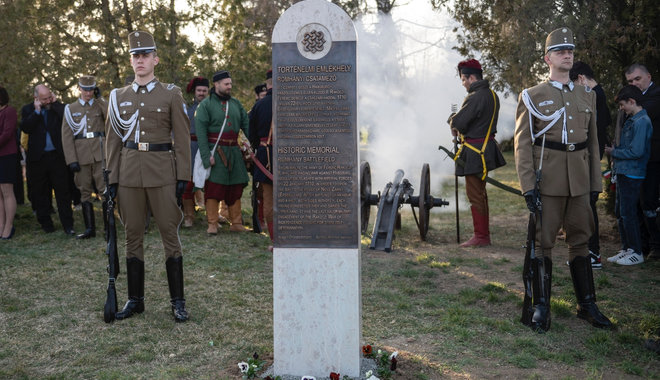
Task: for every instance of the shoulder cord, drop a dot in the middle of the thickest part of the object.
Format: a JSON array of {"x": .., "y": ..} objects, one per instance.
[
  {"x": 76, "y": 128},
  {"x": 221, "y": 129},
  {"x": 483, "y": 147},
  {"x": 119, "y": 124},
  {"x": 553, "y": 118},
  {"x": 534, "y": 112}
]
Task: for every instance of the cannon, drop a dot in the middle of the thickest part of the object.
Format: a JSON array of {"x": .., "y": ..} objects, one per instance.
[{"x": 395, "y": 194}]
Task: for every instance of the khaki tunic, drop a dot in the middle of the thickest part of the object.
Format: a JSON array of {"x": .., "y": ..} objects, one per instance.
[
  {"x": 148, "y": 178},
  {"x": 87, "y": 152},
  {"x": 567, "y": 177}
]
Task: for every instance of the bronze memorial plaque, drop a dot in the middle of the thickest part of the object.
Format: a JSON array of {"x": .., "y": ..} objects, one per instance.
[{"x": 315, "y": 154}]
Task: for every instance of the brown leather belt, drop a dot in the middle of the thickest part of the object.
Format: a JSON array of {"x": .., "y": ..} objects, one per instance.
[
  {"x": 148, "y": 147},
  {"x": 88, "y": 135},
  {"x": 570, "y": 147}
]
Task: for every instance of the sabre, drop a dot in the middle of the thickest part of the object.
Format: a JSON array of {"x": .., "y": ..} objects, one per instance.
[
  {"x": 454, "y": 109},
  {"x": 261, "y": 167}
]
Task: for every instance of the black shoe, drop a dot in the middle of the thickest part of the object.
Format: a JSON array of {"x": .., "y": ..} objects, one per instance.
[
  {"x": 590, "y": 313},
  {"x": 11, "y": 233},
  {"x": 595, "y": 260},
  {"x": 69, "y": 231},
  {"x": 132, "y": 306},
  {"x": 179, "y": 310},
  {"x": 48, "y": 229}
]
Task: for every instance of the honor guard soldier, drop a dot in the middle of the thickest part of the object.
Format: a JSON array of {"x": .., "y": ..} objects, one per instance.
[
  {"x": 218, "y": 120},
  {"x": 148, "y": 156},
  {"x": 82, "y": 138},
  {"x": 556, "y": 137}
]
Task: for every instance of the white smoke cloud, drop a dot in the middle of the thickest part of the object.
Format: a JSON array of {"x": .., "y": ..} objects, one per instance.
[{"x": 407, "y": 81}]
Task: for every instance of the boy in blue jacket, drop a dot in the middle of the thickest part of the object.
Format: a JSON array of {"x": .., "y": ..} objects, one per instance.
[{"x": 630, "y": 156}]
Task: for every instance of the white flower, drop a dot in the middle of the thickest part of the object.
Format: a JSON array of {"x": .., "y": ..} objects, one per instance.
[
  {"x": 243, "y": 366},
  {"x": 308, "y": 378},
  {"x": 369, "y": 373},
  {"x": 380, "y": 352},
  {"x": 254, "y": 366},
  {"x": 394, "y": 355}
]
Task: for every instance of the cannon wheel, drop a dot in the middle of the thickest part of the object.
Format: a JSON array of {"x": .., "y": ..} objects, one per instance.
[
  {"x": 424, "y": 198},
  {"x": 365, "y": 193}
]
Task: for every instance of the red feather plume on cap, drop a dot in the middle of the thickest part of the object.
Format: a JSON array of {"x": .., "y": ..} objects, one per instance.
[
  {"x": 196, "y": 81},
  {"x": 469, "y": 63}
]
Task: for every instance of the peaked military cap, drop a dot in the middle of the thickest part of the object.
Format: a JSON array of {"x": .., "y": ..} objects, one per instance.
[
  {"x": 141, "y": 42},
  {"x": 559, "y": 39},
  {"x": 87, "y": 82}
]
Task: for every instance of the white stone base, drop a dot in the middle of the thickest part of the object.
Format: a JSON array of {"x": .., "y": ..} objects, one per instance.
[{"x": 316, "y": 311}]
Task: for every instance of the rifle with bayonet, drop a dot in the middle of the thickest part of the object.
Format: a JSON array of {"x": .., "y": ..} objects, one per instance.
[
  {"x": 535, "y": 216},
  {"x": 110, "y": 307}
]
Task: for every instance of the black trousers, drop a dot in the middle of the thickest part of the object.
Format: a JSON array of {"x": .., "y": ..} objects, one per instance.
[
  {"x": 50, "y": 170},
  {"x": 649, "y": 203}
]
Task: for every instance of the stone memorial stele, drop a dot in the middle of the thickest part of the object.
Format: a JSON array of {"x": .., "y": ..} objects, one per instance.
[{"x": 316, "y": 259}]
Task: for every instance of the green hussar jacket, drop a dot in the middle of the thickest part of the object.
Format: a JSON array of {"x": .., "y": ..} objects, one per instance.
[{"x": 208, "y": 119}]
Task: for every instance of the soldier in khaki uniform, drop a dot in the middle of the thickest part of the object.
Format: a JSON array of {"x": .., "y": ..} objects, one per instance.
[
  {"x": 82, "y": 132},
  {"x": 556, "y": 133},
  {"x": 148, "y": 151}
]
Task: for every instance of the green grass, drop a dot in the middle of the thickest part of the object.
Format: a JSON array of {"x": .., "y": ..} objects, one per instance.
[{"x": 450, "y": 312}]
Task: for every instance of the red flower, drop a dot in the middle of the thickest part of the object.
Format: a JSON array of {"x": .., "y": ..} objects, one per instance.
[
  {"x": 367, "y": 349},
  {"x": 334, "y": 376},
  {"x": 393, "y": 365}
]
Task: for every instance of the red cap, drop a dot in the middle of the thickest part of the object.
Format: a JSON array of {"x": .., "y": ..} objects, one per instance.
[{"x": 469, "y": 66}]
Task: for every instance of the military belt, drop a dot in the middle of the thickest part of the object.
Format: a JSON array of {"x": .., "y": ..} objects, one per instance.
[
  {"x": 571, "y": 147},
  {"x": 148, "y": 147},
  {"x": 88, "y": 135}
]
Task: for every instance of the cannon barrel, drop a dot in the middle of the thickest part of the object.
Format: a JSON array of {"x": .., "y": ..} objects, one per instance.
[
  {"x": 395, "y": 194},
  {"x": 398, "y": 177}
]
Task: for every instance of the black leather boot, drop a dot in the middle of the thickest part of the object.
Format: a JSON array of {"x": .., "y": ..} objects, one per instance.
[
  {"x": 583, "y": 282},
  {"x": 541, "y": 288},
  {"x": 135, "y": 277},
  {"x": 90, "y": 224},
  {"x": 175, "y": 281}
]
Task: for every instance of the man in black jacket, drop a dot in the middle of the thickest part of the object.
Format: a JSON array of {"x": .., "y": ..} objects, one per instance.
[
  {"x": 42, "y": 121},
  {"x": 261, "y": 139},
  {"x": 476, "y": 124},
  {"x": 638, "y": 75},
  {"x": 582, "y": 74}
]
